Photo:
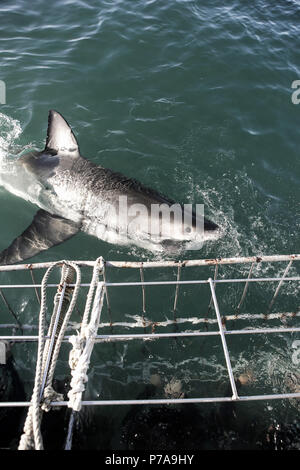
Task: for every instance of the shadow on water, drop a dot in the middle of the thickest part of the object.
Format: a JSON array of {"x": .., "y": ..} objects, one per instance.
[
  {"x": 208, "y": 427},
  {"x": 11, "y": 389}
]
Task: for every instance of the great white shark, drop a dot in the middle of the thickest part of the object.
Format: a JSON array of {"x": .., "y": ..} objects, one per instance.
[{"x": 74, "y": 194}]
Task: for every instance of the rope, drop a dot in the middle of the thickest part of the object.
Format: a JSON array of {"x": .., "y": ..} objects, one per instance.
[
  {"x": 98, "y": 266},
  {"x": 31, "y": 437},
  {"x": 83, "y": 343}
]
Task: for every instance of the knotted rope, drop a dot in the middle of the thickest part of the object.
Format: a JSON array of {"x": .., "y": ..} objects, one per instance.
[
  {"x": 83, "y": 343},
  {"x": 31, "y": 437}
]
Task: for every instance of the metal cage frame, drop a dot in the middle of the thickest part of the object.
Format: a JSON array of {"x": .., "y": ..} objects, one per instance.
[{"x": 222, "y": 332}]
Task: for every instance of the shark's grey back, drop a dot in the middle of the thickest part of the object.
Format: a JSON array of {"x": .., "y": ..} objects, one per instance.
[{"x": 71, "y": 192}]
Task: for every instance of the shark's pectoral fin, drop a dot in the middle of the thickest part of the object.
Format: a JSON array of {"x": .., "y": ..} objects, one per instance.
[{"x": 45, "y": 231}]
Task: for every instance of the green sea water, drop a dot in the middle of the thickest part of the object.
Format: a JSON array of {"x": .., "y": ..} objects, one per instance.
[{"x": 194, "y": 99}]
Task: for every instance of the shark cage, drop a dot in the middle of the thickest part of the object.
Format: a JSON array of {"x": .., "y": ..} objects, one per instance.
[{"x": 218, "y": 315}]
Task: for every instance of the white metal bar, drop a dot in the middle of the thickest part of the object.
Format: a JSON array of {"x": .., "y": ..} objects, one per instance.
[
  {"x": 279, "y": 286},
  {"x": 158, "y": 283},
  {"x": 221, "y": 329},
  {"x": 199, "y": 281},
  {"x": 24, "y": 286},
  {"x": 162, "y": 401},
  {"x": 106, "y": 290},
  {"x": 24, "y": 267},
  {"x": 36, "y": 291},
  {"x": 143, "y": 288},
  {"x": 200, "y": 333},
  {"x": 155, "y": 264},
  {"x": 211, "y": 299},
  {"x": 112, "y": 337},
  {"x": 204, "y": 262},
  {"x": 245, "y": 289},
  {"x": 177, "y": 287},
  {"x": 69, "y": 438}
]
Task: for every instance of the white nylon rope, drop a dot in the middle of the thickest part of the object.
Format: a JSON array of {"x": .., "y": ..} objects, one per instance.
[
  {"x": 83, "y": 342},
  {"x": 31, "y": 437}
]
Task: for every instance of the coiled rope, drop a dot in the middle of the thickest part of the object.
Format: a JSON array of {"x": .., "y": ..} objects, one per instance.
[{"x": 41, "y": 398}]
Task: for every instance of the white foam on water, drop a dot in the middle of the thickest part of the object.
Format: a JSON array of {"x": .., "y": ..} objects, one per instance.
[{"x": 10, "y": 131}]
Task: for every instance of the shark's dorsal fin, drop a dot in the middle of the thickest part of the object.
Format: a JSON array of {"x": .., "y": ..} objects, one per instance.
[{"x": 60, "y": 137}]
